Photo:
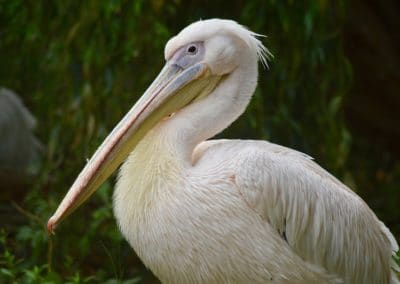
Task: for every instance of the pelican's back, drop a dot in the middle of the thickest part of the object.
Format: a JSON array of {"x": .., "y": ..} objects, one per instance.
[{"x": 321, "y": 220}]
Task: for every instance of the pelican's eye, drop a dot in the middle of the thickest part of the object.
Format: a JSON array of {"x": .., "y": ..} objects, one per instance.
[
  {"x": 188, "y": 54},
  {"x": 192, "y": 49}
]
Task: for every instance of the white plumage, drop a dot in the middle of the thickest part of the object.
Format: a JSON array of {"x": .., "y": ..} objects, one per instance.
[{"x": 228, "y": 211}]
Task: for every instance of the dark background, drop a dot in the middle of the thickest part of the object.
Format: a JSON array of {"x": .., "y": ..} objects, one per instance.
[{"x": 332, "y": 91}]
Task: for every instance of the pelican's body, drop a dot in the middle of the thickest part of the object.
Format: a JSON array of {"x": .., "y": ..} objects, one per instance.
[
  {"x": 227, "y": 211},
  {"x": 191, "y": 224},
  {"x": 190, "y": 221}
]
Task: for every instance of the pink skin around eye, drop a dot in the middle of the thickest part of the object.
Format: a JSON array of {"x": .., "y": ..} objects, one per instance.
[{"x": 184, "y": 58}]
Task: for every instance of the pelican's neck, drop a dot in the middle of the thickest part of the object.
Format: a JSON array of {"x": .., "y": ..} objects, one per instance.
[
  {"x": 210, "y": 115},
  {"x": 157, "y": 165},
  {"x": 169, "y": 145}
]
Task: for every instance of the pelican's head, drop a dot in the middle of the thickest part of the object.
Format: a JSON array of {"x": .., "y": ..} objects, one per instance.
[
  {"x": 197, "y": 61},
  {"x": 222, "y": 45}
]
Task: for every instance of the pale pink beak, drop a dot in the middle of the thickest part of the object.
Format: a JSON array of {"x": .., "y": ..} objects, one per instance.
[{"x": 172, "y": 89}]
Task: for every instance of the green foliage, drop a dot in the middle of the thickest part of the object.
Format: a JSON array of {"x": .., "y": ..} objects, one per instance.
[{"x": 80, "y": 65}]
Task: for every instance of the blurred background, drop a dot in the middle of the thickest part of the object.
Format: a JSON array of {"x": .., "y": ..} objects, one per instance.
[{"x": 69, "y": 70}]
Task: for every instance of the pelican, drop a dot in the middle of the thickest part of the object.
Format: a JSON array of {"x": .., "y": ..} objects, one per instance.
[{"x": 226, "y": 211}]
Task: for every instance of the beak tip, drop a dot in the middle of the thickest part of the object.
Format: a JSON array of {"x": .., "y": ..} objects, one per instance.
[{"x": 51, "y": 225}]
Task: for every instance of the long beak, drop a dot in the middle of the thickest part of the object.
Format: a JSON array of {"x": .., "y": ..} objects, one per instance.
[{"x": 173, "y": 89}]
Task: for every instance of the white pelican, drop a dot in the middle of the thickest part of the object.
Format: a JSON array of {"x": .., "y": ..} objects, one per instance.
[{"x": 227, "y": 211}]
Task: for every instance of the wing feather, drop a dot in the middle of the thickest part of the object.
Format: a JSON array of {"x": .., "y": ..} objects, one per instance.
[{"x": 323, "y": 221}]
